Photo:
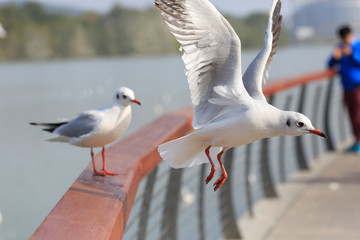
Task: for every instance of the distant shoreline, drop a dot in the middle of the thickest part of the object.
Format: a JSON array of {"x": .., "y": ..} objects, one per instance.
[{"x": 35, "y": 33}]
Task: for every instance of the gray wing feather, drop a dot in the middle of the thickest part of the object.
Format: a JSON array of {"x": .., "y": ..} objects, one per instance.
[
  {"x": 258, "y": 70},
  {"x": 82, "y": 125},
  {"x": 276, "y": 30}
]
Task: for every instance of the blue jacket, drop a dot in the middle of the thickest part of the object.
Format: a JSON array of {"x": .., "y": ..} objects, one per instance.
[{"x": 349, "y": 67}]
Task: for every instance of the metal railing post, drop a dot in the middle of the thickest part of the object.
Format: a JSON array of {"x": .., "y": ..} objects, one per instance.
[
  {"x": 315, "y": 119},
  {"x": 301, "y": 160},
  {"x": 249, "y": 199},
  {"x": 330, "y": 142},
  {"x": 144, "y": 217},
  {"x": 170, "y": 214},
  {"x": 228, "y": 219},
  {"x": 267, "y": 182},
  {"x": 282, "y": 162},
  {"x": 201, "y": 203}
]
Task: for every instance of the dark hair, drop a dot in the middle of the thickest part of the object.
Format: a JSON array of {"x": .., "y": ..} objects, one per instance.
[{"x": 343, "y": 31}]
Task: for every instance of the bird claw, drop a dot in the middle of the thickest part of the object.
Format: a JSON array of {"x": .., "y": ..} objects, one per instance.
[
  {"x": 104, "y": 173},
  {"x": 211, "y": 175},
  {"x": 97, "y": 173},
  {"x": 219, "y": 182},
  {"x": 109, "y": 173}
]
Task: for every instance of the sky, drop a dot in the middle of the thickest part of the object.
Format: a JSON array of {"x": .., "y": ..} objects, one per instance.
[{"x": 235, "y": 7}]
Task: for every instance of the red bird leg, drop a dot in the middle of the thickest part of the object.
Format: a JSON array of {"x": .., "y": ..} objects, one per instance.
[
  {"x": 96, "y": 173},
  {"x": 224, "y": 175},
  {"x": 104, "y": 171},
  {"x": 213, "y": 168}
]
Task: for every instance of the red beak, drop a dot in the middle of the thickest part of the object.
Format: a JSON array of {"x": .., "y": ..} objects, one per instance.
[
  {"x": 317, "y": 132},
  {"x": 136, "y": 101}
]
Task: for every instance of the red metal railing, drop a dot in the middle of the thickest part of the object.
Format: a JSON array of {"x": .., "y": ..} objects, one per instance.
[
  {"x": 98, "y": 207},
  {"x": 281, "y": 85}
]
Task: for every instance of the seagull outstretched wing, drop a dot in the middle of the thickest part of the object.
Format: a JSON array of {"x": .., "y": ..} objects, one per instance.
[
  {"x": 211, "y": 53},
  {"x": 257, "y": 72}
]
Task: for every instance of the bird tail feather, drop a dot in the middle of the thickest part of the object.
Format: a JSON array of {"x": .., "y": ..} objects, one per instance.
[
  {"x": 185, "y": 152},
  {"x": 49, "y": 127}
]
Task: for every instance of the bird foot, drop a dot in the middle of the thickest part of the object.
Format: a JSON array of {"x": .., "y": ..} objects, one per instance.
[
  {"x": 211, "y": 175},
  {"x": 104, "y": 173},
  {"x": 109, "y": 173},
  {"x": 219, "y": 182},
  {"x": 97, "y": 173}
]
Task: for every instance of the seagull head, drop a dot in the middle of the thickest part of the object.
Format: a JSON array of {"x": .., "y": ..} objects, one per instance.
[
  {"x": 125, "y": 96},
  {"x": 297, "y": 124}
]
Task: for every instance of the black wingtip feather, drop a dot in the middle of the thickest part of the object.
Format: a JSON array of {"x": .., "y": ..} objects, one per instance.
[
  {"x": 50, "y": 127},
  {"x": 50, "y": 130}
]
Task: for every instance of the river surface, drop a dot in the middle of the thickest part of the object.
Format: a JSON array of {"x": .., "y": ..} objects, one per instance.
[{"x": 34, "y": 174}]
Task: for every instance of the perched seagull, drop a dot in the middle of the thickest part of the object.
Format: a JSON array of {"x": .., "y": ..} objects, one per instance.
[
  {"x": 96, "y": 128},
  {"x": 229, "y": 109}
]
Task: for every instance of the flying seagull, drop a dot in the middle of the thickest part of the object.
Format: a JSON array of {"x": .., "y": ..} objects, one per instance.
[
  {"x": 229, "y": 108},
  {"x": 96, "y": 128}
]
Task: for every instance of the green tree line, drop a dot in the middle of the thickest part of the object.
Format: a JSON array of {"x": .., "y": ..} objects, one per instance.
[{"x": 33, "y": 33}]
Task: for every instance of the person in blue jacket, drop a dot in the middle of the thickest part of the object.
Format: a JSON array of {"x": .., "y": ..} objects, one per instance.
[{"x": 346, "y": 60}]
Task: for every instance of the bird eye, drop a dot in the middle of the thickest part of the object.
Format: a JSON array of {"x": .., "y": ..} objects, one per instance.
[
  {"x": 124, "y": 96},
  {"x": 117, "y": 96},
  {"x": 300, "y": 124}
]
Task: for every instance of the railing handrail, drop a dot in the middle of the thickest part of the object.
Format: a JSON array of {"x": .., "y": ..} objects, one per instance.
[
  {"x": 98, "y": 208},
  {"x": 281, "y": 85}
]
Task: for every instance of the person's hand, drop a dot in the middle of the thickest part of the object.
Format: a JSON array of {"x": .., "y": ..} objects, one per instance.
[{"x": 338, "y": 53}]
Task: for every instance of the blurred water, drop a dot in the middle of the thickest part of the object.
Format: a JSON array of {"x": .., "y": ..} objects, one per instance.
[{"x": 34, "y": 174}]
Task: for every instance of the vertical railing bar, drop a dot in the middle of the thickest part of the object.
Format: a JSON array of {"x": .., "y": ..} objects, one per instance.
[
  {"x": 301, "y": 160},
  {"x": 282, "y": 165},
  {"x": 315, "y": 119},
  {"x": 329, "y": 143},
  {"x": 152, "y": 228},
  {"x": 249, "y": 197},
  {"x": 230, "y": 230},
  {"x": 201, "y": 203},
  {"x": 282, "y": 162},
  {"x": 267, "y": 182},
  {"x": 165, "y": 229},
  {"x": 150, "y": 182},
  {"x": 170, "y": 214}
]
